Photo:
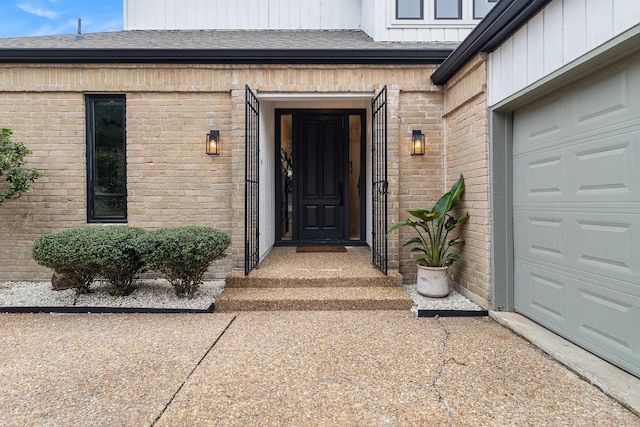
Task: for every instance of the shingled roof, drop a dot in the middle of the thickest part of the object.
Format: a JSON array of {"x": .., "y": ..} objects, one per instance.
[{"x": 220, "y": 46}]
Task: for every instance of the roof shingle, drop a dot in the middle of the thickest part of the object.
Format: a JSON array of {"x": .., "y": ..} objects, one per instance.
[{"x": 217, "y": 39}]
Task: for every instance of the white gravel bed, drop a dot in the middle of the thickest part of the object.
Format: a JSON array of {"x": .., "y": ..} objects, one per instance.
[
  {"x": 33, "y": 294},
  {"x": 453, "y": 301},
  {"x": 156, "y": 293}
]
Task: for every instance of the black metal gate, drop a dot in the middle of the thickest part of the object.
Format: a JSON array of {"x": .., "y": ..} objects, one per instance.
[
  {"x": 251, "y": 190},
  {"x": 380, "y": 183}
]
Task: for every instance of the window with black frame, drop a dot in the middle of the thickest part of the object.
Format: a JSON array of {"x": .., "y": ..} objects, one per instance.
[
  {"x": 409, "y": 9},
  {"x": 106, "y": 159},
  {"x": 448, "y": 9}
]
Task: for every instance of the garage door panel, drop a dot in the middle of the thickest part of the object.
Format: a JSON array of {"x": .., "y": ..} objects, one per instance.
[
  {"x": 598, "y": 243},
  {"x": 576, "y": 212},
  {"x": 606, "y": 315},
  {"x": 599, "y": 168},
  {"x": 543, "y": 123},
  {"x": 540, "y": 237},
  {"x": 541, "y": 294},
  {"x": 581, "y": 309},
  {"x": 544, "y": 176},
  {"x": 608, "y": 321},
  {"x": 606, "y": 168},
  {"x": 603, "y": 170},
  {"x": 592, "y": 105},
  {"x": 599, "y": 99},
  {"x": 604, "y": 245}
]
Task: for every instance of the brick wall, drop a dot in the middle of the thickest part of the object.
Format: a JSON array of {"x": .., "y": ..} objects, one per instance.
[
  {"x": 52, "y": 126},
  {"x": 421, "y": 177},
  {"x": 170, "y": 180},
  {"x": 466, "y": 152}
]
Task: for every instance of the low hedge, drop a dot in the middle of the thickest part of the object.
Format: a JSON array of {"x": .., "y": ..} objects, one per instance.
[
  {"x": 119, "y": 253},
  {"x": 69, "y": 252},
  {"x": 183, "y": 254},
  {"x": 84, "y": 253},
  {"x": 119, "y": 260}
]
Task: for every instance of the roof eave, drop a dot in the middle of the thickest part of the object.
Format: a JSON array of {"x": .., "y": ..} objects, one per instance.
[
  {"x": 225, "y": 56},
  {"x": 499, "y": 24}
]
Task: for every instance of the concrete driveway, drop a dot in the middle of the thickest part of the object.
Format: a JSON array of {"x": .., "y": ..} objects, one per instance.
[{"x": 285, "y": 369}]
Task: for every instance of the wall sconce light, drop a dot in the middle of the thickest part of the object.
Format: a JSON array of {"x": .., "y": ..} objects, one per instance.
[
  {"x": 213, "y": 143},
  {"x": 417, "y": 143}
]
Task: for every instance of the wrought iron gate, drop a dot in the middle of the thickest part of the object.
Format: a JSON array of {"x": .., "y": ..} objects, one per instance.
[
  {"x": 252, "y": 185},
  {"x": 380, "y": 183}
]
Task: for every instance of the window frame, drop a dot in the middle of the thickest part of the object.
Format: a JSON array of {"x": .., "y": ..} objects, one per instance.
[
  {"x": 90, "y": 101},
  {"x": 410, "y": 18},
  {"x": 458, "y": 18}
]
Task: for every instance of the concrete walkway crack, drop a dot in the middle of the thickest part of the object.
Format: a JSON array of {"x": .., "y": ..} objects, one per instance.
[
  {"x": 443, "y": 362},
  {"x": 197, "y": 365}
]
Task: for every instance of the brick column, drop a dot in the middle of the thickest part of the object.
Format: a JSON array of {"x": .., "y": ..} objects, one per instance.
[{"x": 237, "y": 149}]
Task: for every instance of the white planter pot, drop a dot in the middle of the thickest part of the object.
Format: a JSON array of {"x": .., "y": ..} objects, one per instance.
[{"x": 433, "y": 281}]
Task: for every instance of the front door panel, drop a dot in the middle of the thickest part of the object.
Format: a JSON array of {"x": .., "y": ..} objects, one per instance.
[{"x": 321, "y": 155}]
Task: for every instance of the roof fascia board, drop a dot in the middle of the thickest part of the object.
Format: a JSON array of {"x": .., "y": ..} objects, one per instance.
[
  {"x": 225, "y": 56},
  {"x": 499, "y": 24}
]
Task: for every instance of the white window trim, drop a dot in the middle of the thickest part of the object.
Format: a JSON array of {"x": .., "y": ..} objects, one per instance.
[{"x": 429, "y": 20}]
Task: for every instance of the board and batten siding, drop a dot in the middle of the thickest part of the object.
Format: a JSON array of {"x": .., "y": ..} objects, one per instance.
[
  {"x": 560, "y": 33},
  {"x": 429, "y": 29},
  {"x": 241, "y": 14},
  {"x": 374, "y": 17}
]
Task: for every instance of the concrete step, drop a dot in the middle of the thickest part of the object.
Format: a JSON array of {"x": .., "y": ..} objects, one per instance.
[
  {"x": 313, "y": 298},
  {"x": 373, "y": 278}
]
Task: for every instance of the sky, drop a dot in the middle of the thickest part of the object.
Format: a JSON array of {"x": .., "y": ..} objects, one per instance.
[{"x": 26, "y": 18}]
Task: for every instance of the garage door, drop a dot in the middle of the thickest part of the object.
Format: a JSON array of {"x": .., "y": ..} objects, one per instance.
[{"x": 576, "y": 171}]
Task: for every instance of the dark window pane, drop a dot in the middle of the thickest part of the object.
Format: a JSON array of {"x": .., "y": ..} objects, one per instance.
[
  {"x": 107, "y": 159},
  {"x": 355, "y": 175},
  {"x": 448, "y": 9},
  {"x": 286, "y": 171},
  {"x": 409, "y": 9}
]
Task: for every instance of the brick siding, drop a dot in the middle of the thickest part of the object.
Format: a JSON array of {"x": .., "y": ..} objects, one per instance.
[
  {"x": 466, "y": 152},
  {"x": 170, "y": 180},
  {"x": 421, "y": 179}
]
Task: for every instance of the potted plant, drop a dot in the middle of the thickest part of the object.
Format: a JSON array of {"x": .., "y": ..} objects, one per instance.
[{"x": 433, "y": 228}]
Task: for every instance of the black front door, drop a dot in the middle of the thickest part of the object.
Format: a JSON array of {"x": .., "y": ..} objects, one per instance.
[{"x": 321, "y": 151}]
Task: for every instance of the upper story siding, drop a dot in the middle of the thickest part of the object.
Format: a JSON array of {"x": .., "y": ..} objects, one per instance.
[
  {"x": 560, "y": 33},
  {"x": 241, "y": 14},
  {"x": 375, "y": 17}
]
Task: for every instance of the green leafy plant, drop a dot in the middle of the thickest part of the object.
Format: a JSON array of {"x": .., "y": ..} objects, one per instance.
[
  {"x": 433, "y": 228},
  {"x": 117, "y": 256},
  {"x": 183, "y": 254},
  {"x": 69, "y": 252},
  {"x": 12, "y": 154},
  {"x": 85, "y": 253},
  {"x": 119, "y": 253}
]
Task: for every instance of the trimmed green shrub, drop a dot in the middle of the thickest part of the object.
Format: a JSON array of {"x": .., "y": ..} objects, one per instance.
[
  {"x": 183, "y": 254},
  {"x": 118, "y": 258},
  {"x": 84, "y": 253},
  {"x": 69, "y": 252}
]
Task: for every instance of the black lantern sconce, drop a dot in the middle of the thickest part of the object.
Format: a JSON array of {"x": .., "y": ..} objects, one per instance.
[
  {"x": 213, "y": 143},
  {"x": 417, "y": 143}
]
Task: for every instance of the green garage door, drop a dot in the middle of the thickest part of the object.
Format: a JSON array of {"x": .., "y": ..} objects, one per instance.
[{"x": 576, "y": 213}]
